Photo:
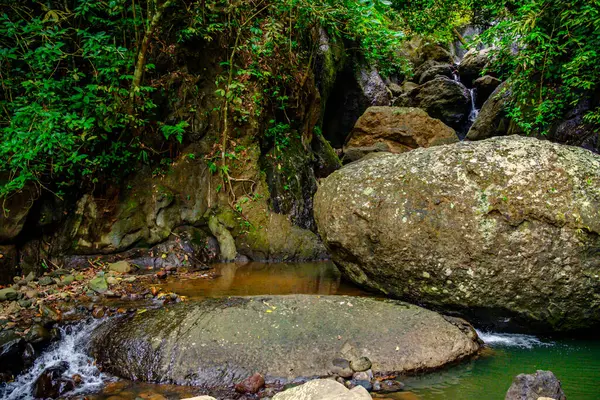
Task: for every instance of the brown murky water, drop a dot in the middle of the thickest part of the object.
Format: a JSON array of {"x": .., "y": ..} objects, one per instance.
[
  {"x": 237, "y": 280},
  {"x": 266, "y": 279}
]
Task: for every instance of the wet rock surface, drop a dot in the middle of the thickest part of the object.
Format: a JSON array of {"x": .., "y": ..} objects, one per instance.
[
  {"x": 219, "y": 343},
  {"x": 501, "y": 225},
  {"x": 52, "y": 384},
  {"x": 542, "y": 384}
]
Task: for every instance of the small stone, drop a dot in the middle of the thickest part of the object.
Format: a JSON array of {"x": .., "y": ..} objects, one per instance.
[
  {"x": 341, "y": 367},
  {"x": 130, "y": 279},
  {"x": 50, "y": 313},
  {"x": 376, "y": 386},
  {"x": 361, "y": 376},
  {"x": 360, "y": 364},
  {"x": 366, "y": 384},
  {"x": 8, "y": 294},
  {"x": 391, "y": 386},
  {"x": 111, "y": 280},
  {"x": 77, "y": 379},
  {"x": 122, "y": 267},
  {"x": 110, "y": 293},
  {"x": 98, "y": 285},
  {"x": 45, "y": 281},
  {"x": 38, "y": 334},
  {"x": 25, "y": 303},
  {"x": 99, "y": 312},
  {"x": 67, "y": 279},
  {"x": 251, "y": 384},
  {"x": 30, "y": 277},
  {"x": 32, "y": 294},
  {"x": 161, "y": 274}
]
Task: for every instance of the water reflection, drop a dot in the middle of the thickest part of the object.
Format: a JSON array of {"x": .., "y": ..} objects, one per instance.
[{"x": 267, "y": 279}]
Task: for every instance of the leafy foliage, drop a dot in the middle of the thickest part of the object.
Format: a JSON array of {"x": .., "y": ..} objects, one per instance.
[
  {"x": 550, "y": 52},
  {"x": 64, "y": 92}
]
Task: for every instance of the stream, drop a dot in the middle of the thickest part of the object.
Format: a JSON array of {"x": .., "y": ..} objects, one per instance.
[{"x": 575, "y": 362}]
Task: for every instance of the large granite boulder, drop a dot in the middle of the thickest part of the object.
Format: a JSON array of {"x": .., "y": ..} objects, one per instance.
[
  {"x": 432, "y": 52},
  {"x": 472, "y": 65},
  {"x": 492, "y": 119},
  {"x": 542, "y": 384},
  {"x": 219, "y": 342},
  {"x": 509, "y": 225},
  {"x": 396, "y": 130},
  {"x": 442, "y": 98},
  {"x": 323, "y": 389},
  {"x": 484, "y": 87},
  {"x": 431, "y": 69},
  {"x": 356, "y": 89}
]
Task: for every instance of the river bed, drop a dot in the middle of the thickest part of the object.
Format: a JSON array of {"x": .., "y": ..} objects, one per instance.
[{"x": 575, "y": 362}]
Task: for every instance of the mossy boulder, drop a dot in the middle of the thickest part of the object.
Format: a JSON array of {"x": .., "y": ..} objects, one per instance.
[
  {"x": 509, "y": 224},
  {"x": 220, "y": 342}
]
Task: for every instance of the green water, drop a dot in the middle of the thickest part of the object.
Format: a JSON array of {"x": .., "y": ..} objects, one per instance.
[{"x": 576, "y": 363}]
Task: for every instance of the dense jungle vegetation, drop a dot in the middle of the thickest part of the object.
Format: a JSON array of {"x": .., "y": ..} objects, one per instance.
[{"x": 81, "y": 80}]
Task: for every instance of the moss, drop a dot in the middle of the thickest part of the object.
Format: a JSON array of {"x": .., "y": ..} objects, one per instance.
[{"x": 327, "y": 160}]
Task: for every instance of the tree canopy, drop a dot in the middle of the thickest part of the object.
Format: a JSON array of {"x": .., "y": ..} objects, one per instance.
[{"x": 77, "y": 94}]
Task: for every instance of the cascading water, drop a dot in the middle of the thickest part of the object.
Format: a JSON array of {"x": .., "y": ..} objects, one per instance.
[
  {"x": 511, "y": 340},
  {"x": 474, "y": 111},
  {"x": 70, "y": 349}
]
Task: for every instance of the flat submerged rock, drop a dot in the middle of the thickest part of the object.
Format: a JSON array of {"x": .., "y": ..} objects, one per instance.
[{"x": 219, "y": 342}]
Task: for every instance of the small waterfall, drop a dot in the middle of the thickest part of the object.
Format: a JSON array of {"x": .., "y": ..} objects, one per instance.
[
  {"x": 511, "y": 340},
  {"x": 455, "y": 75},
  {"x": 474, "y": 111},
  {"x": 71, "y": 349}
]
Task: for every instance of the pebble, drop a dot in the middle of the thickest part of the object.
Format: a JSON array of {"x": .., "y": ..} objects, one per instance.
[
  {"x": 161, "y": 274},
  {"x": 341, "y": 367},
  {"x": 112, "y": 280},
  {"x": 391, "y": 386},
  {"x": 362, "y": 376},
  {"x": 45, "y": 281},
  {"x": 251, "y": 384},
  {"x": 360, "y": 364},
  {"x": 99, "y": 312},
  {"x": 366, "y": 384},
  {"x": 25, "y": 303},
  {"x": 8, "y": 294}
]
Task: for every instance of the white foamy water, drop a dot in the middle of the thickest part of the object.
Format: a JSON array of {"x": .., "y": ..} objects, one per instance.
[
  {"x": 474, "y": 111},
  {"x": 72, "y": 349},
  {"x": 494, "y": 339}
]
